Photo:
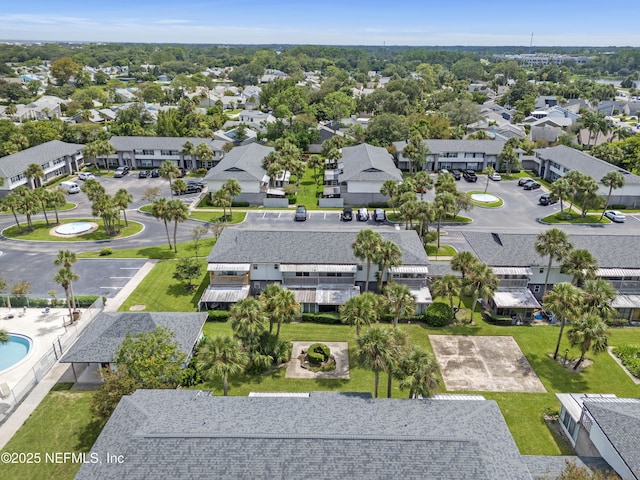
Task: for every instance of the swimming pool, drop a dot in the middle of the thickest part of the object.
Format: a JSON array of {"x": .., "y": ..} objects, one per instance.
[{"x": 14, "y": 350}]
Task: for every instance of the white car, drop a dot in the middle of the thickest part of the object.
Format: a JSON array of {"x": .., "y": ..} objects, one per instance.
[
  {"x": 495, "y": 176},
  {"x": 615, "y": 216},
  {"x": 86, "y": 176}
]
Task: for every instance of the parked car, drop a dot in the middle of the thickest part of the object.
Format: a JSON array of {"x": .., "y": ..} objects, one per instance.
[
  {"x": 143, "y": 173},
  {"x": 522, "y": 181},
  {"x": 155, "y": 173},
  {"x": 86, "y": 176},
  {"x": 197, "y": 183},
  {"x": 444, "y": 170},
  {"x": 301, "y": 213},
  {"x": 547, "y": 199},
  {"x": 70, "y": 187},
  {"x": 347, "y": 214},
  {"x": 362, "y": 215},
  {"x": 456, "y": 174},
  {"x": 191, "y": 188},
  {"x": 379, "y": 215},
  {"x": 531, "y": 185},
  {"x": 615, "y": 216},
  {"x": 470, "y": 176},
  {"x": 495, "y": 176},
  {"x": 121, "y": 172}
]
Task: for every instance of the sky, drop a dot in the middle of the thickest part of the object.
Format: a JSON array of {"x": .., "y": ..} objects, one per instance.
[{"x": 326, "y": 22}]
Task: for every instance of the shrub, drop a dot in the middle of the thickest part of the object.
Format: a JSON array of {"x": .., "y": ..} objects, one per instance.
[
  {"x": 240, "y": 204},
  {"x": 292, "y": 199},
  {"x": 318, "y": 353},
  {"x": 217, "y": 315},
  {"x": 616, "y": 206},
  {"x": 629, "y": 355},
  {"x": 378, "y": 205},
  {"x": 106, "y": 251},
  {"x": 501, "y": 322},
  {"x": 190, "y": 377},
  {"x": 438, "y": 314},
  {"x": 324, "y": 318},
  {"x": 201, "y": 171}
]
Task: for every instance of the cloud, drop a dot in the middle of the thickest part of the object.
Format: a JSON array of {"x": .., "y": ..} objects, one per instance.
[{"x": 171, "y": 21}]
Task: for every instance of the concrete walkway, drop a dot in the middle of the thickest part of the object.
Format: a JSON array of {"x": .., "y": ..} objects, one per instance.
[{"x": 58, "y": 371}]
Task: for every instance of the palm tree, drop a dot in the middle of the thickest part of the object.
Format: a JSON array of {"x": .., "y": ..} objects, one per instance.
[
  {"x": 483, "y": 282},
  {"x": 366, "y": 247},
  {"x": 418, "y": 373},
  {"x": 488, "y": 172},
  {"x": 612, "y": 180},
  {"x": 178, "y": 212},
  {"x": 424, "y": 214},
  {"x": 280, "y": 305},
  {"x": 554, "y": 243},
  {"x": 399, "y": 346},
  {"x": 222, "y": 199},
  {"x": 122, "y": 199},
  {"x": 581, "y": 264},
  {"x": 65, "y": 277},
  {"x": 589, "y": 332},
  {"x": 180, "y": 186},
  {"x": 248, "y": 321},
  {"x": 400, "y": 301},
  {"x": 597, "y": 296},
  {"x": 561, "y": 188},
  {"x": 12, "y": 202},
  {"x": 389, "y": 189},
  {"x": 221, "y": 357},
  {"x": 315, "y": 162},
  {"x": 160, "y": 211},
  {"x": 33, "y": 172},
  {"x": 416, "y": 151},
  {"x": 360, "y": 311},
  {"x": 28, "y": 204},
  {"x": 204, "y": 152},
  {"x": 442, "y": 205},
  {"x": 388, "y": 255},
  {"x": 447, "y": 286},
  {"x": 169, "y": 170},
  {"x": 42, "y": 195},
  {"x": 188, "y": 150},
  {"x": 374, "y": 352},
  {"x": 463, "y": 262},
  {"x": 56, "y": 199},
  {"x": 233, "y": 188},
  {"x": 562, "y": 299},
  {"x": 66, "y": 258}
]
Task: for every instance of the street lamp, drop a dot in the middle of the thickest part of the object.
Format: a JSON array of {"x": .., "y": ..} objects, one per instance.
[{"x": 566, "y": 352}]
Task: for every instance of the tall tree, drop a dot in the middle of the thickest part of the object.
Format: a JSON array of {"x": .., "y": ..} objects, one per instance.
[
  {"x": 188, "y": 150},
  {"x": 588, "y": 332},
  {"x": 248, "y": 321},
  {"x": 66, "y": 259},
  {"x": 122, "y": 199},
  {"x": 34, "y": 172},
  {"x": 580, "y": 264},
  {"x": 64, "y": 277},
  {"x": 612, "y": 180},
  {"x": 280, "y": 305},
  {"x": 597, "y": 296},
  {"x": 221, "y": 357},
  {"x": 387, "y": 256},
  {"x": 169, "y": 170},
  {"x": 12, "y": 202},
  {"x": 400, "y": 301},
  {"x": 554, "y": 243},
  {"x": 562, "y": 300},
  {"x": 447, "y": 286},
  {"x": 561, "y": 188},
  {"x": 442, "y": 206},
  {"x": 483, "y": 282},
  {"x": 508, "y": 158},
  {"x": 178, "y": 213},
  {"x": 360, "y": 311},
  {"x": 423, "y": 182},
  {"x": 416, "y": 151},
  {"x": 160, "y": 211},
  {"x": 55, "y": 200},
  {"x": 42, "y": 195},
  {"x": 366, "y": 247},
  {"x": 222, "y": 199},
  {"x": 233, "y": 188},
  {"x": 374, "y": 352},
  {"x": 204, "y": 153},
  {"x": 418, "y": 373}
]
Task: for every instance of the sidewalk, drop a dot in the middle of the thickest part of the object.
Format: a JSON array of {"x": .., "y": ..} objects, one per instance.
[{"x": 31, "y": 401}]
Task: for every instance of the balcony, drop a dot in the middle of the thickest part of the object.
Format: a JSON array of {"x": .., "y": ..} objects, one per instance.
[
  {"x": 317, "y": 281},
  {"x": 229, "y": 280}
]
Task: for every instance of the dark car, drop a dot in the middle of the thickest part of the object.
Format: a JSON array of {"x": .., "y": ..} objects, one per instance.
[
  {"x": 531, "y": 185},
  {"x": 347, "y": 214},
  {"x": 143, "y": 173},
  {"x": 191, "y": 188},
  {"x": 522, "y": 181},
  {"x": 379, "y": 215},
  {"x": 547, "y": 199},
  {"x": 456, "y": 174},
  {"x": 470, "y": 176},
  {"x": 197, "y": 183},
  {"x": 155, "y": 173},
  {"x": 301, "y": 213}
]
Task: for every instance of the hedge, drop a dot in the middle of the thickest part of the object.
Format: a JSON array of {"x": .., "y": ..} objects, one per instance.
[
  {"x": 82, "y": 301},
  {"x": 438, "y": 314},
  {"x": 501, "y": 322},
  {"x": 217, "y": 315},
  {"x": 324, "y": 318},
  {"x": 629, "y": 355},
  {"x": 239, "y": 204},
  {"x": 378, "y": 205},
  {"x": 318, "y": 353}
]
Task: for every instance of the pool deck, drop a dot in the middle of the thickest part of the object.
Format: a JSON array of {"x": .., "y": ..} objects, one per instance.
[{"x": 42, "y": 329}]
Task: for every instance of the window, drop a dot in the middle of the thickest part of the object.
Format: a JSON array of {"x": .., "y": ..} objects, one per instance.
[
  {"x": 276, "y": 266},
  {"x": 541, "y": 270},
  {"x": 148, "y": 152},
  {"x": 146, "y": 163},
  {"x": 536, "y": 289},
  {"x": 255, "y": 267}
]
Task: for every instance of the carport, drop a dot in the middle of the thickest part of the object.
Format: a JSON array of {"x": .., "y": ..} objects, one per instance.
[{"x": 323, "y": 299}]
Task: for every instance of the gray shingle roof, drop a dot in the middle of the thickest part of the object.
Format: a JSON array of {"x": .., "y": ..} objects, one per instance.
[
  {"x": 17, "y": 163},
  {"x": 128, "y": 143},
  {"x": 182, "y": 434},
  {"x": 576, "y": 160},
  {"x": 304, "y": 247},
  {"x": 516, "y": 250},
  {"x": 489, "y": 147},
  {"x": 101, "y": 339},
  {"x": 365, "y": 162},
  {"x": 620, "y": 422},
  {"x": 247, "y": 159}
]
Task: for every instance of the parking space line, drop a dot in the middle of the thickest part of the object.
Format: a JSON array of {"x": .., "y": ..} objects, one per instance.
[
  {"x": 129, "y": 268},
  {"x": 112, "y": 288},
  {"x": 121, "y": 277}
]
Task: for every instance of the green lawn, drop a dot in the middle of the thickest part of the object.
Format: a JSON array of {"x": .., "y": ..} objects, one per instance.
[
  {"x": 61, "y": 423},
  {"x": 160, "y": 292},
  {"x": 571, "y": 217},
  {"x": 213, "y": 217},
  {"x": 498, "y": 203},
  {"x": 308, "y": 190},
  {"x": 160, "y": 252},
  {"x": 444, "y": 250},
  {"x": 41, "y": 231}
]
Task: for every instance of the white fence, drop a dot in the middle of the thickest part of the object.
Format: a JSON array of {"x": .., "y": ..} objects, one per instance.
[{"x": 35, "y": 375}]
